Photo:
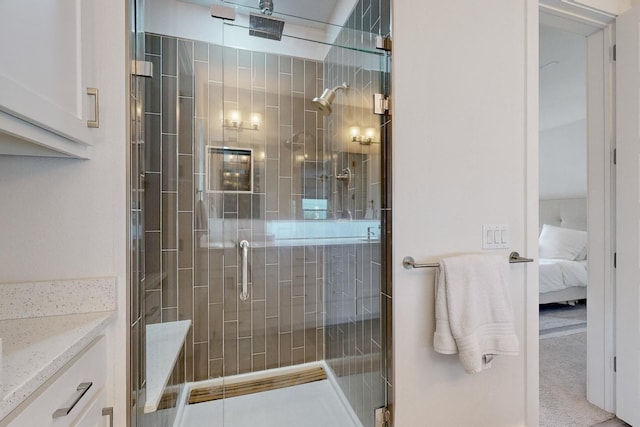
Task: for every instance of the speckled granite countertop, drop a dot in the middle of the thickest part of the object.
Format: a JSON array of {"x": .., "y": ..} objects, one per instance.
[{"x": 44, "y": 325}]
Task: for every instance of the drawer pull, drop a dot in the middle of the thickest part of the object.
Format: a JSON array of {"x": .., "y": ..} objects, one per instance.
[{"x": 80, "y": 392}]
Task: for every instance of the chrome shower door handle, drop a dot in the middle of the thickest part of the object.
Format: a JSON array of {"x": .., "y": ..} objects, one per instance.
[{"x": 244, "y": 247}]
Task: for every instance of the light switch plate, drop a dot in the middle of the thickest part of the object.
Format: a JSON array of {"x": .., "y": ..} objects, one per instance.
[{"x": 495, "y": 236}]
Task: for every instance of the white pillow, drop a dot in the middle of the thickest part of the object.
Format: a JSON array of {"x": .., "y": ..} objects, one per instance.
[{"x": 563, "y": 243}]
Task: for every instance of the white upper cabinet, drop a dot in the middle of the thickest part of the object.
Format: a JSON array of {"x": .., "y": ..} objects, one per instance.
[{"x": 47, "y": 64}]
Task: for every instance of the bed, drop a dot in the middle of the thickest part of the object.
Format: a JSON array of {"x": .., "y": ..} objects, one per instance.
[{"x": 563, "y": 253}]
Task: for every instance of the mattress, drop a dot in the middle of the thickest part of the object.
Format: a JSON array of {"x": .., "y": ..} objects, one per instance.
[{"x": 559, "y": 274}]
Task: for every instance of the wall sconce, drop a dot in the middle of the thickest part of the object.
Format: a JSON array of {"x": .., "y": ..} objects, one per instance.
[
  {"x": 255, "y": 121},
  {"x": 234, "y": 120},
  {"x": 366, "y": 139}
]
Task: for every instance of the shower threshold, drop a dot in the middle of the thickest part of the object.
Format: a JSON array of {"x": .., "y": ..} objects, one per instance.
[{"x": 278, "y": 397}]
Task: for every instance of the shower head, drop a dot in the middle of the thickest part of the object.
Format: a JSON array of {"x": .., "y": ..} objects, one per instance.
[
  {"x": 266, "y": 7},
  {"x": 323, "y": 102},
  {"x": 265, "y": 26}
]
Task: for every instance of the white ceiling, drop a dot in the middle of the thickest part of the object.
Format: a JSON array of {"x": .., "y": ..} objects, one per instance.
[
  {"x": 327, "y": 11},
  {"x": 563, "y": 81}
]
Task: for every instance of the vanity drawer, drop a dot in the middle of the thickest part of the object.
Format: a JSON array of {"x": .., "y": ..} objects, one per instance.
[{"x": 88, "y": 367}]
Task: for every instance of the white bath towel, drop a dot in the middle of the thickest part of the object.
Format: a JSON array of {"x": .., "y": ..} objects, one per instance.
[{"x": 474, "y": 314}]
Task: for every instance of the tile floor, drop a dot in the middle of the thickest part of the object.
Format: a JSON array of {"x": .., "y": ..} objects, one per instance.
[{"x": 316, "y": 403}]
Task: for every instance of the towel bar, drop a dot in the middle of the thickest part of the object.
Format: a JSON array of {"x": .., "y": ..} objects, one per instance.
[{"x": 409, "y": 263}]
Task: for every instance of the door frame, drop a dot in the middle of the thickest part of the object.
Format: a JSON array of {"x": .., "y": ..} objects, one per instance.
[{"x": 600, "y": 192}]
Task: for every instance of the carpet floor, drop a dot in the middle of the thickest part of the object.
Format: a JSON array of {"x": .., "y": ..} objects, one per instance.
[
  {"x": 563, "y": 383},
  {"x": 558, "y": 320}
]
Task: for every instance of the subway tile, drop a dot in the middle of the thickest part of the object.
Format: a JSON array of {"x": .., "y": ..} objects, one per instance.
[
  {"x": 259, "y": 362},
  {"x": 200, "y": 141},
  {"x": 153, "y": 307},
  {"x": 216, "y": 276},
  {"x": 258, "y": 274},
  {"x": 273, "y": 343},
  {"x": 259, "y": 326},
  {"x": 272, "y": 290},
  {"x": 230, "y": 348},
  {"x": 258, "y": 204},
  {"x": 309, "y": 82},
  {"x": 272, "y": 129},
  {"x": 216, "y": 331},
  {"x": 285, "y": 99},
  {"x": 169, "y": 220},
  {"x": 201, "y": 89},
  {"x": 310, "y": 288},
  {"x": 311, "y": 141},
  {"x": 200, "y": 314},
  {"x": 298, "y": 75},
  {"x": 185, "y": 183},
  {"x": 188, "y": 355},
  {"x": 200, "y": 361},
  {"x": 169, "y": 279},
  {"x": 185, "y": 126},
  {"x": 185, "y": 68},
  {"x": 200, "y": 51},
  {"x": 284, "y": 199},
  {"x": 244, "y": 316},
  {"x": 298, "y": 278},
  {"x": 152, "y": 90},
  {"x": 215, "y": 63},
  {"x": 298, "y": 321},
  {"x": 185, "y": 294},
  {"x": 230, "y": 69},
  {"x": 152, "y": 44},
  {"x": 244, "y": 355},
  {"x": 169, "y": 104},
  {"x": 169, "y": 56},
  {"x": 153, "y": 142},
  {"x": 244, "y": 58},
  {"x": 298, "y": 355},
  {"x": 200, "y": 265},
  {"x": 285, "y": 349},
  {"x": 169, "y": 314},
  {"x": 231, "y": 293},
  {"x": 285, "y": 64},
  {"x": 152, "y": 260},
  {"x": 258, "y": 68},
  {"x": 285, "y": 308},
  {"x": 245, "y": 208},
  {"x": 244, "y": 97},
  {"x": 216, "y": 368},
  {"x": 272, "y": 80},
  {"x": 152, "y": 201},
  {"x": 169, "y": 163},
  {"x": 385, "y": 17},
  {"x": 216, "y": 113},
  {"x": 273, "y": 182}
]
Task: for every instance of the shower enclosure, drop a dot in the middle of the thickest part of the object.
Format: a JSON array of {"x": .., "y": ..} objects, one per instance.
[{"x": 260, "y": 212}]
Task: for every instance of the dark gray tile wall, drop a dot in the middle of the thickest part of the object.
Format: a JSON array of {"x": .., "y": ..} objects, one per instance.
[
  {"x": 357, "y": 301},
  {"x": 282, "y": 323}
]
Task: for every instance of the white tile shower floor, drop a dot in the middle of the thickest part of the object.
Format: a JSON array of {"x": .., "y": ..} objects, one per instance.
[{"x": 308, "y": 405}]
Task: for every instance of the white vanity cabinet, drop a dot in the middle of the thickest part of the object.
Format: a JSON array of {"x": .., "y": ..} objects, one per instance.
[
  {"x": 59, "y": 403},
  {"x": 47, "y": 65}
]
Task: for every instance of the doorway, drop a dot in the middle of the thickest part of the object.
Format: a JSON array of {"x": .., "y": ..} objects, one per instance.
[{"x": 593, "y": 35}]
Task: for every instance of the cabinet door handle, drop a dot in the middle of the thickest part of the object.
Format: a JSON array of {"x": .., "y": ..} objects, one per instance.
[
  {"x": 108, "y": 411},
  {"x": 80, "y": 392},
  {"x": 95, "y": 123}
]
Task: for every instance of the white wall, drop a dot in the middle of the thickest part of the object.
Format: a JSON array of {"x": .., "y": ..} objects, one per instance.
[
  {"x": 563, "y": 161},
  {"x": 465, "y": 154},
  {"x": 66, "y": 218}
]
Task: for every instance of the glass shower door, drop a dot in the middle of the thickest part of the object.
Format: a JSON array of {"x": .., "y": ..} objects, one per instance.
[{"x": 294, "y": 202}]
